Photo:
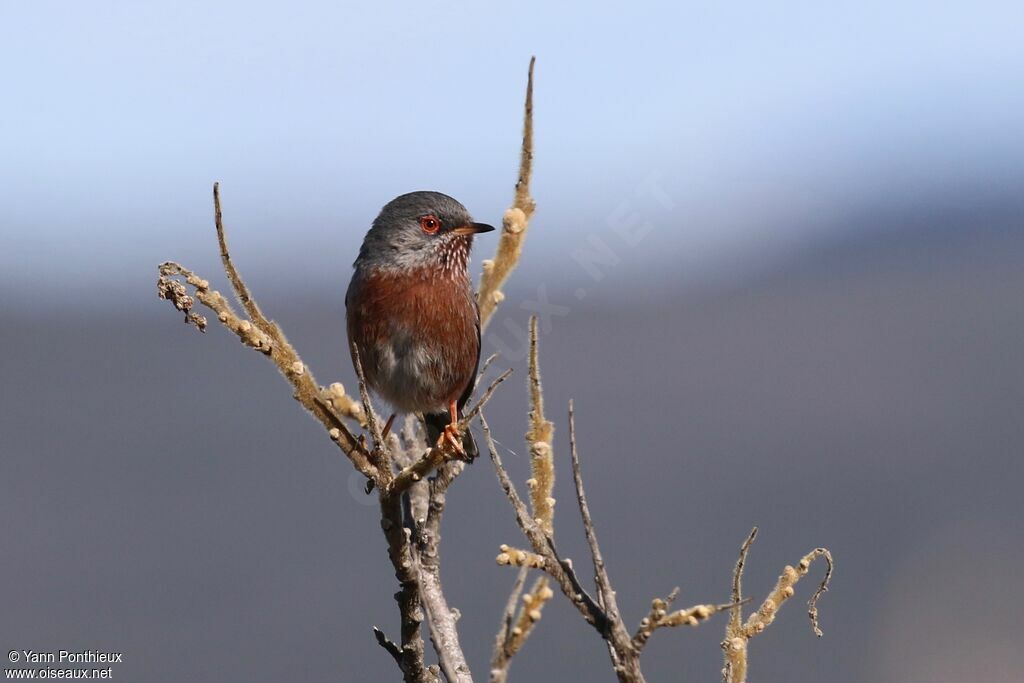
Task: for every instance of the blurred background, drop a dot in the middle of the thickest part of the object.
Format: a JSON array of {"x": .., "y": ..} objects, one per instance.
[{"x": 778, "y": 261}]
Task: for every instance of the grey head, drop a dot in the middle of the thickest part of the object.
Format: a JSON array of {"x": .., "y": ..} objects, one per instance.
[{"x": 420, "y": 230}]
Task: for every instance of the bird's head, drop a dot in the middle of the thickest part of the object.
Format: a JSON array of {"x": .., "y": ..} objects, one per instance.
[{"x": 420, "y": 230}]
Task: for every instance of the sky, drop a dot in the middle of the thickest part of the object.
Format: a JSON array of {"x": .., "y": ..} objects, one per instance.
[{"x": 759, "y": 127}]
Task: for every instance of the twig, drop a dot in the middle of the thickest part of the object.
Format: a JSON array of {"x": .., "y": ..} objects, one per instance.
[
  {"x": 435, "y": 456},
  {"x": 404, "y": 561},
  {"x": 501, "y": 656},
  {"x": 625, "y": 659},
  {"x": 443, "y": 630},
  {"x": 484, "y": 367},
  {"x": 379, "y": 453},
  {"x": 618, "y": 632},
  {"x": 738, "y": 634},
  {"x": 512, "y": 637},
  {"x": 539, "y": 440},
  {"x": 478, "y": 406},
  {"x": 659, "y": 617},
  {"x": 254, "y": 333},
  {"x": 560, "y": 570},
  {"x": 736, "y": 616},
  {"x": 514, "y": 222},
  {"x": 241, "y": 290},
  {"x": 541, "y": 483},
  {"x": 388, "y": 645}
]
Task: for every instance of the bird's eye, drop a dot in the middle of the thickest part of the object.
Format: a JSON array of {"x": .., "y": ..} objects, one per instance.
[{"x": 430, "y": 224}]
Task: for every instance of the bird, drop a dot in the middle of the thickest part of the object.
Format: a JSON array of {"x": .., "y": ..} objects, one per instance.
[{"x": 411, "y": 314}]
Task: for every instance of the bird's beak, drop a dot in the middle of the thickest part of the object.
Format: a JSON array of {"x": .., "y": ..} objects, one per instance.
[{"x": 472, "y": 229}]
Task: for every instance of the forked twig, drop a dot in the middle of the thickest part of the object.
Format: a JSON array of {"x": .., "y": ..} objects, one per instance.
[{"x": 738, "y": 633}]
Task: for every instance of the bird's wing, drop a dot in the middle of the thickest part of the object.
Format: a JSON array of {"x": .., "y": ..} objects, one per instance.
[{"x": 476, "y": 366}]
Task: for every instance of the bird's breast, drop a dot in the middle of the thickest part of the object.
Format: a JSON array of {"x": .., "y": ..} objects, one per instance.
[{"x": 416, "y": 334}]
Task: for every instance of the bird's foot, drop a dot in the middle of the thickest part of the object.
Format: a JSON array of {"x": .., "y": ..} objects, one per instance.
[
  {"x": 387, "y": 426},
  {"x": 451, "y": 438}
]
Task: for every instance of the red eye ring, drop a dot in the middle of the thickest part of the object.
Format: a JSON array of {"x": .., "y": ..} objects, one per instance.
[{"x": 430, "y": 224}]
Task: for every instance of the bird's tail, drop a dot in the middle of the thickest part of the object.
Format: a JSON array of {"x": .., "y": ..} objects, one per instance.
[{"x": 435, "y": 424}]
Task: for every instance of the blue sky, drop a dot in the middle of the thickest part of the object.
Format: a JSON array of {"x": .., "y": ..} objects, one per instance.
[{"x": 763, "y": 125}]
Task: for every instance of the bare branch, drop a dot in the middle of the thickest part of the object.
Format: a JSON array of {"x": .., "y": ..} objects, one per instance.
[
  {"x": 484, "y": 367},
  {"x": 372, "y": 421},
  {"x": 266, "y": 337},
  {"x": 514, "y": 222},
  {"x": 812, "y": 604},
  {"x": 539, "y": 440},
  {"x": 502, "y": 656},
  {"x": 783, "y": 591},
  {"x": 512, "y": 637},
  {"x": 659, "y": 608},
  {"x": 443, "y": 630},
  {"x": 736, "y": 617},
  {"x": 388, "y": 645},
  {"x": 435, "y": 456},
  {"x": 478, "y": 406},
  {"x": 737, "y": 636},
  {"x": 559, "y": 569},
  {"x": 618, "y": 632},
  {"x": 541, "y": 483},
  {"x": 379, "y": 454},
  {"x": 275, "y": 347},
  {"x": 510, "y": 607},
  {"x": 659, "y": 617},
  {"x": 241, "y": 291},
  {"x": 404, "y": 561}
]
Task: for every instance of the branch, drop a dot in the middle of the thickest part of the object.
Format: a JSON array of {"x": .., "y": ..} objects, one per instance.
[
  {"x": 659, "y": 617},
  {"x": 539, "y": 440},
  {"x": 404, "y": 561},
  {"x": 503, "y": 652},
  {"x": 512, "y": 637},
  {"x": 267, "y": 338},
  {"x": 443, "y": 619},
  {"x": 514, "y": 222},
  {"x": 603, "y": 613},
  {"x": 389, "y": 645},
  {"x": 324, "y": 404},
  {"x": 618, "y": 636},
  {"x": 379, "y": 455},
  {"x": 560, "y": 570},
  {"x": 539, "y": 437},
  {"x": 437, "y": 456},
  {"x": 604, "y": 586},
  {"x": 738, "y": 634},
  {"x": 736, "y": 616}
]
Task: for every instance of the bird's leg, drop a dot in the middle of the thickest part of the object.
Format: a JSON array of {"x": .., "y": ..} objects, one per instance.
[
  {"x": 387, "y": 426},
  {"x": 451, "y": 433}
]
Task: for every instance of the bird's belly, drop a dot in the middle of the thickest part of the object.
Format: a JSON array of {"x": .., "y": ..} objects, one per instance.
[{"x": 404, "y": 374}]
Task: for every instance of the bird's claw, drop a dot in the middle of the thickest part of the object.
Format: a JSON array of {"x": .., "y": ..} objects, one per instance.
[{"x": 452, "y": 438}]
